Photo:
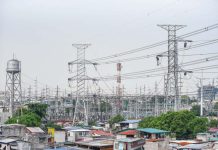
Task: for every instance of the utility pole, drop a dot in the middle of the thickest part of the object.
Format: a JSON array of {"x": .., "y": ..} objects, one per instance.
[
  {"x": 81, "y": 105},
  {"x": 156, "y": 101},
  {"x": 201, "y": 81}
]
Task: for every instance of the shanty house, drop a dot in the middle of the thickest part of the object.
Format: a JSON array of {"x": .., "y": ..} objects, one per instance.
[
  {"x": 129, "y": 144},
  {"x": 128, "y": 133},
  {"x": 152, "y": 133},
  {"x": 37, "y": 137},
  {"x": 132, "y": 124},
  {"x": 13, "y": 131},
  {"x": 9, "y": 144},
  {"x": 77, "y": 135}
]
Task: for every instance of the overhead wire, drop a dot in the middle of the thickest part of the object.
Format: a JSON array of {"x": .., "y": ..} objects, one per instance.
[
  {"x": 203, "y": 60},
  {"x": 214, "y": 41},
  {"x": 205, "y": 29}
]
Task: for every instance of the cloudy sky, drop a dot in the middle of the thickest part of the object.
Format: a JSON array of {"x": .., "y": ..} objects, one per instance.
[{"x": 40, "y": 33}]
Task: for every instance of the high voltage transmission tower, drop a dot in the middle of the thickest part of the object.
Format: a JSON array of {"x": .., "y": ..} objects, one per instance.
[
  {"x": 81, "y": 104},
  {"x": 171, "y": 87}
]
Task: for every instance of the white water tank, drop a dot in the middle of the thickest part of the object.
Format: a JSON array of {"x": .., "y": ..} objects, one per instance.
[{"x": 13, "y": 66}]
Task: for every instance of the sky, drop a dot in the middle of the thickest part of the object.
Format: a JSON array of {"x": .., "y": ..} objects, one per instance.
[{"x": 40, "y": 34}]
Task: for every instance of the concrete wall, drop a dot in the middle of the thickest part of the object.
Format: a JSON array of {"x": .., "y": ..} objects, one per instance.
[
  {"x": 120, "y": 136},
  {"x": 161, "y": 145},
  {"x": 4, "y": 117},
  {"x": 133, "y": 125},
  {"x": 23, "y": 145},
  {"x": 59, "y": 136},
  {"x": 13, "y": 130},
  {"x": 203, "y": 137}
]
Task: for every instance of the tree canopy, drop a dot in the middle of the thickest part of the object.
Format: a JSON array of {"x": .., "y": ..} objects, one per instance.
[
  {"x": 184, "y": 123},
  {"x": 29, "y": 119},
  {"x": 30, "y": 116},
  {"x": 196, "y": 109},
  {"x": 38, "y": 108},
  {"x": 116, "y": 119}
]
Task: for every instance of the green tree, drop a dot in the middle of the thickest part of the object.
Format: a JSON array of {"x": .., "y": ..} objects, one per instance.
[
  {"x": 183, "y": 123},
  {"x": 198, "y": 125},
  {"x": 30, "y": 120},
  {"x": 21, "y": 111},
  {"x": 38, "y": 108},
  {"x": 53, "y": 125},
  {"x": 213, "y": 123},
  {"x": 116, "y": 119},
  {"x": 30, "y": 116},
  {"x": 147, "y": 122},
  {"x": 196, "y": 110}
]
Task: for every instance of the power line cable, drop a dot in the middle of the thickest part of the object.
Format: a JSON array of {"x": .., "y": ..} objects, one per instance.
[{"x": 205, "y": 29}]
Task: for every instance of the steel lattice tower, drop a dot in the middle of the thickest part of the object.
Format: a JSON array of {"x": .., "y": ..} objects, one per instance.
[
  {"x": 172, "y": 88},
  {"x": 81, "y": 104},
  {"x": 13, "y": 84}
]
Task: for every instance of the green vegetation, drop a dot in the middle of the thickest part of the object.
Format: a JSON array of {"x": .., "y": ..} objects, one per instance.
[
  {"x": 215, "y": 106},
  {"x": 213, "y": 123},
  {"x": 52, "y": 125},
  {"x": 29, "y": 119},
  {"x": 196, "y": 109},
  {"x": 30, "y": 116},
  {"x": 183, "y": 123},
  {"x": 92, "y": 123},
  {"x": 116, "y": 119},
  {"x": 39, "y": 109}
]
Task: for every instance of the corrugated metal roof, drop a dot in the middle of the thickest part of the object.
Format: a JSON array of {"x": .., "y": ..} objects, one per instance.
[
  {"x": 71, "y": 128},
  {"x": 130, "y": 121},
  {"x": 213, "y": 130},
  {"x": 101, "y": 133},
  {"x": 79, "y": 130},
  {"x": 152, "y": 130},
  {"x": 194, "y": 146},
  {"x": 35, "y": 129},
  {"x": 6, "y": 141},
  {"x": 128, "y": 132},
  {"x": 128, "y": 140}
]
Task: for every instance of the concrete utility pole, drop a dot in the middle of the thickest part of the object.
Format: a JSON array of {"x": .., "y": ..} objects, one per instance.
[
  {"x": 156, "y": 108},
  {"x": 172, "y": 88},
  {"x": 201, "y": 81},
  {"x": 81, "y": 106}
]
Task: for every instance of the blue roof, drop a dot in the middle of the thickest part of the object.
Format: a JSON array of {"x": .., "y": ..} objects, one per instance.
[
  {"x": 130, "y": 121},
  {"x": 152, "y": 130}
]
